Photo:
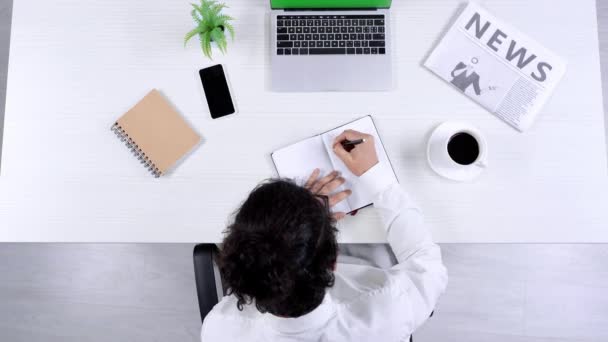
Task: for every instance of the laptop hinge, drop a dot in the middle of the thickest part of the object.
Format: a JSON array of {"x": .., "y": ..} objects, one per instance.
[{"x": 329, "y": 9}]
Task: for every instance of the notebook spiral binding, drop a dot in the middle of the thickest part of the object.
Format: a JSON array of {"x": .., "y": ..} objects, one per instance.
[{"x": 137, "y": 152}]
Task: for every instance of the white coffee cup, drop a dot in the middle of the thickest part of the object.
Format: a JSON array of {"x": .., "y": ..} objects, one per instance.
[{"x": 440, "y": 160}]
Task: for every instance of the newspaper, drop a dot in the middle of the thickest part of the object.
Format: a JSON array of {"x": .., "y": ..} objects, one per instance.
[{"x": 497, "y": 66}]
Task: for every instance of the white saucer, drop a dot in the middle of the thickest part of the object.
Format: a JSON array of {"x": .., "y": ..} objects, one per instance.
[{"x": 454, "y": 172}]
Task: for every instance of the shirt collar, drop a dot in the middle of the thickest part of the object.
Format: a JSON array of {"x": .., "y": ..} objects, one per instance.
[{"x": 314, "y": 319}]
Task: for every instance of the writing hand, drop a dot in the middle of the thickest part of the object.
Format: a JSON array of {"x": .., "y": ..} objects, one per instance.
[{"x": 361, "y": 157}]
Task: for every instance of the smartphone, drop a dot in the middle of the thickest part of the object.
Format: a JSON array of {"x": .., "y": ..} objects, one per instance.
[{"x": 216, "y": 90}]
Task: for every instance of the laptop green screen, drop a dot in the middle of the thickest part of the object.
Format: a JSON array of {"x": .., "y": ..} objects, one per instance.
[{"x": 330, "y": 3}]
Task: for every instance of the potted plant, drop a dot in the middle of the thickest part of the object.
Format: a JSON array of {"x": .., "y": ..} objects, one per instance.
[{"x": 211, "y": 25}]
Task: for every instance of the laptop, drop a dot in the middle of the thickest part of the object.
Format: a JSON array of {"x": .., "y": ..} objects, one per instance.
[{"x": 330, "y": 45}]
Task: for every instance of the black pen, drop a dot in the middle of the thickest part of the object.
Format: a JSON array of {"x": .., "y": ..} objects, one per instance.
[{"x": 352, "y": 143}]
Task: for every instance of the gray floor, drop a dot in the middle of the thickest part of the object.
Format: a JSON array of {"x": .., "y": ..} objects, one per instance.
[{"x": 82, "y": 292}]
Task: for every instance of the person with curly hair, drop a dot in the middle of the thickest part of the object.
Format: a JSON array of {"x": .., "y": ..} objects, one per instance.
[{"x": 285, "y": 278}]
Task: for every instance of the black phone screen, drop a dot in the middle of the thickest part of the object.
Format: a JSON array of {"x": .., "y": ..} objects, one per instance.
[{"x": 216, "y": 91}]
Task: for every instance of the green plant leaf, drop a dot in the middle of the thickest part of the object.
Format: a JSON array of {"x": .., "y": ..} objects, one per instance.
[
  {"x": 205, "y": 7},
  {"x": 195, "y": 17},
  {"x": 210, "y": 25},
  {"x": 230, "y": 29},
  {"x": 197, "y": 13},
  {"x": 219, "y": 38},
  {"x": 223, "y": 19},
  {"x": 206, "y": 44},
  {"x": 217, "y": 8},
  {"x": 190, "y": 35}
]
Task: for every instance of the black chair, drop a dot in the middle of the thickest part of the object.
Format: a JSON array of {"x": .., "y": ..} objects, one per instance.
[
  {"x": 208, "y": 284},
  {"x": 208, "y": 288}
]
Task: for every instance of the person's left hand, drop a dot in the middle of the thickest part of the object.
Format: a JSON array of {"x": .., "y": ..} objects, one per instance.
[{"x": 325, "y": 186}]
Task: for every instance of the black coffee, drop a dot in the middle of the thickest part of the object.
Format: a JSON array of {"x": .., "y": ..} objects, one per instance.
[{"x": 463, "y": 148}]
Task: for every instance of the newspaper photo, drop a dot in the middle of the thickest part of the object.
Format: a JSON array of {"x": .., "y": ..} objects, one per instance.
[{"x": 497, "y": 66}]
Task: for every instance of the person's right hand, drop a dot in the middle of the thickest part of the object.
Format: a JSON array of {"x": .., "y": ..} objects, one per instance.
[{"x": 362, "y": 157}]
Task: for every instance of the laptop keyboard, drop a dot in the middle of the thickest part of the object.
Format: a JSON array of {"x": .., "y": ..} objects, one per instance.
[{"x": 331, "y": 35}]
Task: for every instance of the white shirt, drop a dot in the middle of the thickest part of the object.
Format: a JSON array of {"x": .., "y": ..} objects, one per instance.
[{"x": 366, "y": 303}]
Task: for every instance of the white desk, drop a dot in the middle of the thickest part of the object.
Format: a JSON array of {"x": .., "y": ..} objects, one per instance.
[{"x": 76, "y": 66}]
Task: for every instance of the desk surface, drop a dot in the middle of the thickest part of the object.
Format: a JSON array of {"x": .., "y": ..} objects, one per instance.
[{"x": 76, "y": 66}]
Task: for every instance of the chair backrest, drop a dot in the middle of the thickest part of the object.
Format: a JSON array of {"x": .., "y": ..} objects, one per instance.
[{"x": 204, "y": 275}]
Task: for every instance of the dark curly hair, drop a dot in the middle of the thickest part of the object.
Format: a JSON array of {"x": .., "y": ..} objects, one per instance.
[{"x": 281, "y": 249}]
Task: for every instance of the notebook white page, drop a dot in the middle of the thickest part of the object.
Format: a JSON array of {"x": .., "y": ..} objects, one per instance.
[
  {"x": 299, "y": 160},
  {"x": 359, "y": 198}
]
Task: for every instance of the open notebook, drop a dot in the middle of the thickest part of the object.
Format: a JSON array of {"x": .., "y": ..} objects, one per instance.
[{"x": 298, "y": 161}]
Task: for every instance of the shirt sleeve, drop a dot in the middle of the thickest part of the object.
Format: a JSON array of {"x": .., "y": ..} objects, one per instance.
[{"x": 420, "y": 277}]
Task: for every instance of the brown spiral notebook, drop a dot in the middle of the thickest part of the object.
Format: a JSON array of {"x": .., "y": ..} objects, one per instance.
[{"x": 156, "y": 134}]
